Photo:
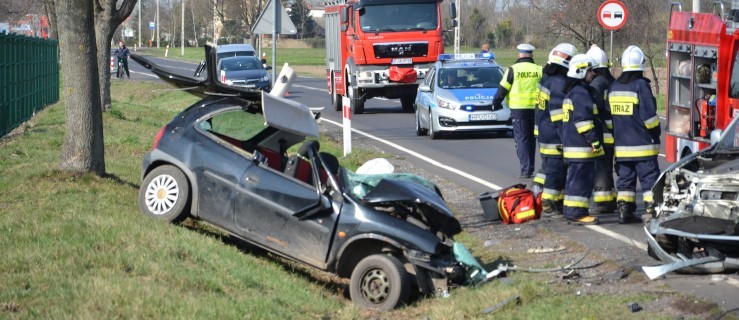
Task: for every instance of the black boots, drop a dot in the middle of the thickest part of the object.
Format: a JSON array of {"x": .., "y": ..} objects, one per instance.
[
  {"x": 626, "y": 212},
  {"x": 551, "y": 209}
]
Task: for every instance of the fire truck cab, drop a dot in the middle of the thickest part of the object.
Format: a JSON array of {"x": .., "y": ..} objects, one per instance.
[
  {"x": 380, "y": 48},
  {"x": 702, "y": 79}
]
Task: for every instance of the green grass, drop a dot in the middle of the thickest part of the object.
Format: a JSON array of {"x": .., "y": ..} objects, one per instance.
[{"x": 76, "y": 246}]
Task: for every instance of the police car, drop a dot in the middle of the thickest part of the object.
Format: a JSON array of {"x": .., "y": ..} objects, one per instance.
[{"x": 457, "y": 96}]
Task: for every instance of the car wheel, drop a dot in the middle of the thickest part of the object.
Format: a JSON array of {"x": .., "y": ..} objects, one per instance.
[
  {"x": 433, "y": 133},
  {"x": 379, "y": 282},
  {"x": 407, "y": 103},
  {"x": 358, "y": 106},
  {"x": 419, "y": 131},
  {"x": 335, "y": 98},
  {"x": 164, "y": 194}
]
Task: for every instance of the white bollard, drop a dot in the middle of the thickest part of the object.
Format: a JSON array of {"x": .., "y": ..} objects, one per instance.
[
  {"x": 166, "y": 51},
  {"x": 284, "y": 81},
  {"x": 347, "y": 123}
]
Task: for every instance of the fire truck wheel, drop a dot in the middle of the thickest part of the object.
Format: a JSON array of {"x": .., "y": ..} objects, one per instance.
[
  {"x": 358, "y": 106},
  {"x": 336, "y": 101},
  {"x": 407, "y": 103}
]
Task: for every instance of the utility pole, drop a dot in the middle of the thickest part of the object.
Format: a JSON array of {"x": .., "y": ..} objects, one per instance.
[
  {"x": 158, "y": 24},
  {"x": 182, "y": 35},
  {"x": 459, "y": 25},
  {"x": 215, "y": 22},
  {"x": 139, "y": 34}
]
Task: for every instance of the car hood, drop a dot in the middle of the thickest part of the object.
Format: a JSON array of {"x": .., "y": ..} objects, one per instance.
[
  {"x": 469, "y": 95},
  {"x": 245, "y": 74},
  {"x": 439, "y": 216}
]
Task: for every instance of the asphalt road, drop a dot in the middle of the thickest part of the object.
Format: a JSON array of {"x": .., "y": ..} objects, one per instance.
[{"x": 484, "y": 162}]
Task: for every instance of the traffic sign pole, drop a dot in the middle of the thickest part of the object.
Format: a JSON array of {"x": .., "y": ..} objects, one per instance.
[{"x": 612, "y": 16}]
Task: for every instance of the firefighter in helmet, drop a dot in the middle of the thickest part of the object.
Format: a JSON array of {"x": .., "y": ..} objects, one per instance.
[
  {"x": 604, "y": 195},
  {"x": 581, "y": 139},
  {"x": 549, "y": 116},
  {"x": 519, "y": 87},
  {"x": 636, "y": 133}
]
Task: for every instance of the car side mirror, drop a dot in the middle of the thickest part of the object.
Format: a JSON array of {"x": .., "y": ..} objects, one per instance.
[
  {"x": 715, "y": 136},
  {"x": 424, "y": 88},
  {"x": 268, "y": 68}
]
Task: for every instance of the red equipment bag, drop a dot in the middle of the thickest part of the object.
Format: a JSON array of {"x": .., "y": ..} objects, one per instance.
[
  {"x": 517, "y": 204},
  {"x": 403, "y": 75}
]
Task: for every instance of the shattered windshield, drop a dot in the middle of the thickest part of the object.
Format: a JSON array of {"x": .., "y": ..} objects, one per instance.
[{"x": 399, "y": 17}]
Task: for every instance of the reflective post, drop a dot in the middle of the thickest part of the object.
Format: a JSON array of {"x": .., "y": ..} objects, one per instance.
[{"x": 347, "y": 125}]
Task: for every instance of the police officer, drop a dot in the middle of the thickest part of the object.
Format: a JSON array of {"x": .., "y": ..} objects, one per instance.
[
  {"x": 581, "y": 140},
  {"x": 519, "y": 87},
  {"x": 604, "y": 195},
  {"x": 549, "y": 116},
  {"x": 636, "y": 131}
]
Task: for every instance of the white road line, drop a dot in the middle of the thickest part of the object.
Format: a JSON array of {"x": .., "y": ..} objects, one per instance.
[
  {"x": 145, "y": 74},
  {"x": 422, "y": 157},
  {"x": 618, "y": 237}
]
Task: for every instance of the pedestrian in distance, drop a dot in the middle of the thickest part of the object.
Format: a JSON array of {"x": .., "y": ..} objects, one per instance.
[
  {"x": 549, "y": 115},
  {"x": 122, "y": 54},
  {"x": 581, "y": 140},
  {"x": 636, "y": 134},
  {"x": 604, "y": 194},
  {"x": 485, "y": 48},
  {"x": 519, "y": 88}
]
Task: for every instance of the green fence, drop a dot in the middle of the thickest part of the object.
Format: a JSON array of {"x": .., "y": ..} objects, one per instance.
[{"x": 29, "y": 78}]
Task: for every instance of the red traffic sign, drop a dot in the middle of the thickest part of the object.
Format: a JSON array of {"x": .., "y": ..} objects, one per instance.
[{"x": 612, "y": 14}]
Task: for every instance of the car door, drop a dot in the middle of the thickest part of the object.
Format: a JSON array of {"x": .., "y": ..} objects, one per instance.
[
  {"x": 424, "y": 99},
  {"x": 284, "y": 214}
]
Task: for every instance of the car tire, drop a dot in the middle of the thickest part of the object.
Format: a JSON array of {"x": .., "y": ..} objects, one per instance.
[
  {"x": 419, "y": 130},
  {"x": 358, "y": 106},
  {"x": 335, "y": 98},
  {"x": 165, "y": 194},
  {"x": 379, "y": 282},
  {"x": 408, "y": 104},
  {"x": 433, "y": 133}
]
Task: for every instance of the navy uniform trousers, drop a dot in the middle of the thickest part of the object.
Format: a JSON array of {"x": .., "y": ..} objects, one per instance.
[{"x": 523, "y": 133}]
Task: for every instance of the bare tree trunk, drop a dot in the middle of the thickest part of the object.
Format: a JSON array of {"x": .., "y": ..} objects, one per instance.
[
  {"x": 194, "y": 31},
  {"x": 107, "y": 19},
  {"x": 51, "y": 13},
  {"x": 83, "y": 149},
  {"x": 654, "y": 75}
]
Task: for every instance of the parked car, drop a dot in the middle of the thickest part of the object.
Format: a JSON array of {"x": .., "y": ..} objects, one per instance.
[
  {"x": 235, "y": 50},
  {"x": 457, "y": 96},
  {"x": 245, "y": 72},
  {"x": 225, "y": 160},
  {"x": 698, "y": 207}
]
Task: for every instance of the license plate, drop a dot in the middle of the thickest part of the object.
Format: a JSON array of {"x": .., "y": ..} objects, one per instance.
[
  {"x": 250, "y": 85},
  {"x": 402, "y": 61},
  {"x": 483, "y": 117}
]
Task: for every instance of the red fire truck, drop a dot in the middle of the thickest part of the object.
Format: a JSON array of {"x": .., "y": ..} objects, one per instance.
[
  {"x": 702, "y": 79},
  {"x": 380, "y": 48}
]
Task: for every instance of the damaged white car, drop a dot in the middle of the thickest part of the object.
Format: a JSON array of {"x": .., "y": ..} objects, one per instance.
[{"x": 695, "y": 228}]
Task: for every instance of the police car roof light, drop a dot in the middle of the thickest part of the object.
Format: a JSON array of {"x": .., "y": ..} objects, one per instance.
[{"x": 466, "y": 56}]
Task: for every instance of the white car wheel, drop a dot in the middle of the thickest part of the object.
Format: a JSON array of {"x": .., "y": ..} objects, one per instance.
[{"x": 164, "y": 194}]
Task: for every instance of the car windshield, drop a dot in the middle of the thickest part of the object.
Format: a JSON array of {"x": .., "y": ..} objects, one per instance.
[
  {"x": 240, "y": 64},
  {"x": 469, "y": 77},
  {"x": 399, "y": 17},
  {"x": 730, "y": 139}
]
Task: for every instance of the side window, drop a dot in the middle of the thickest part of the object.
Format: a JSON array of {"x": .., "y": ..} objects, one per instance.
[
  {"x": 429, "y": 81},
  {"x": 734, "y": 82},
  {"x": 233, "y": 125}
]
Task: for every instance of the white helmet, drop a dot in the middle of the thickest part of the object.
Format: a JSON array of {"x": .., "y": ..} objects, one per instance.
[
  {"x": 633, "y": 59},
  {"x": 599, "y": 56},
  {"x": 561, "y": 54},
  {"x": 579, "y": 66}
]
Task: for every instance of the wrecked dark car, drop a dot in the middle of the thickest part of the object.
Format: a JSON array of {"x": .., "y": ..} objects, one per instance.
[
  {"x": 695, "y": 229},
  {"x": 251, "y": 168}
]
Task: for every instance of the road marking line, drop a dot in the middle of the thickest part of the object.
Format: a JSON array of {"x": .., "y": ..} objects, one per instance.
[
  {"x": 146, "y": 74},
  {"x": 618, "y": 237},
  {"x": 422, "y": 157},
  {"x": 733, "y": 282}
]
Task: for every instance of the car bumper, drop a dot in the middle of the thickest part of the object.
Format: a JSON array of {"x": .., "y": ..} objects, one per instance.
[{"x": 446, "y": 120}]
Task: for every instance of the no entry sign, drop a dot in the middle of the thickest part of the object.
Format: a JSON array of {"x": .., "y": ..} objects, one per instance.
[{"x": 612, "y": 14}]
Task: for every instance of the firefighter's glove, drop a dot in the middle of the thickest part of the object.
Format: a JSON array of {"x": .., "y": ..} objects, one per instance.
[
  {"x": 559, "y": 148},
  {"x": 597, "y": 148}
]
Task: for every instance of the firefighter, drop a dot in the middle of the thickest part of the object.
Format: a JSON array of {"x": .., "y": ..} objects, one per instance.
[
  {"x": 519, "y": 87},
  {"x": 549, "y": 126},
  {"x": 581, "y": 139},
  {"x": 636, "y": 131},
  {"x": 604, "y": 195}
]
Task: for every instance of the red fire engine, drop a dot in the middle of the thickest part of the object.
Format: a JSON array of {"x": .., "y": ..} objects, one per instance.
[
  {"x": 380, "y": 48},
  {"x": 702, "y": 79}
]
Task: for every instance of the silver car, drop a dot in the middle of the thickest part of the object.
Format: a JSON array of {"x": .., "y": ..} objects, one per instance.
[{"x": 457, "y": 96}]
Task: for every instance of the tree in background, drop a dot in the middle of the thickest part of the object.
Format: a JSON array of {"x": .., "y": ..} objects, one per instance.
[
  {"x": 108, "y": 16},
  {"x": 476, "y": 22},
  {"x": 83, "y": 149},
  {"x": 300, "y": 16}
]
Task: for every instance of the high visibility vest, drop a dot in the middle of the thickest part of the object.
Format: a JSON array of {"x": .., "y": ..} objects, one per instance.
[{"x": 522, "y": 93}]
